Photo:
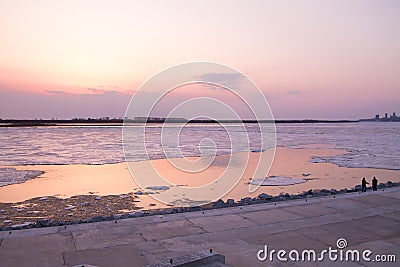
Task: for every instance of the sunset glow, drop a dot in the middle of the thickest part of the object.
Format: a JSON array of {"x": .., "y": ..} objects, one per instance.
[{"x": 311, "y": 59}]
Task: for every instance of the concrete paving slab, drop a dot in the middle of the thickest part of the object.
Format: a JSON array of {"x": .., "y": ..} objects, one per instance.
[
  {"x": 395, "y": 240},
  {"x": 270, "y": 216},
  {"x": 36, "y": 245},
  {"x": 123, "y": 255},
  {"x": 84, "y": 226},
  {"x": 310, "y": 210},
  {"x": 330, "y": 233},
  {"x": 344, "y": 205},
  {"x": 377, "y": 200},
  {"x": 379, "y": 225},
  {"x": 240, "y": 252},
  {"x": 44, "y": 259},
  {"x": 169, "y": 229},
  {"x": 154, "y": 251},
  {"x": 285, "y": 240},
  {"x": 390, "y": 208},
  {"x": 213, "y": 212},
  {"x": 32, "y": 232},
  {"x": 392, "y": 194},
  {"x": 221, "y": 223},
  {"x": 100, "y": 238}
]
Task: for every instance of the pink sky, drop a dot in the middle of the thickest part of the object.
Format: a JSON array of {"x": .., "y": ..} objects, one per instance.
[{"x": 312, "y": 59}]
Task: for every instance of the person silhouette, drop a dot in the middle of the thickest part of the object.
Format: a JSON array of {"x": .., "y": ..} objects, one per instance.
[
  {"x": 364, "y": 185},
  {"x": 374, "y": 184}
]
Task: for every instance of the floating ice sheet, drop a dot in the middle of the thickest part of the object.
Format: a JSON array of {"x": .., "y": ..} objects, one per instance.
[
  {"x": 12, "y": 176},
  {"x": 277, "y": 181}
]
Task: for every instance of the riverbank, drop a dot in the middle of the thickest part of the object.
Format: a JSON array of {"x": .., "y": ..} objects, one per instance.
[
  {"x": 79, "y": 193},
  {"x": 52, "y": 211},
  {"x": 364, "y": 221}
]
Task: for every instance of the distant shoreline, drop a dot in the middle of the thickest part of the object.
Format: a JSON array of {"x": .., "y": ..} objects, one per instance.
[{"x": 120, "y": 122}]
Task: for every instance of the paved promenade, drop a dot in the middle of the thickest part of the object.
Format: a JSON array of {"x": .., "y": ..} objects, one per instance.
[{"x": 367, "y": 221}]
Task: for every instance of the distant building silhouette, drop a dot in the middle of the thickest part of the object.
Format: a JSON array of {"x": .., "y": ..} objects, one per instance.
[{"x": 392, "y": 117}]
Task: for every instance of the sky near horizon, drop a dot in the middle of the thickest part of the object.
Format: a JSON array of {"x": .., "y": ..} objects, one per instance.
[{"x": 311, "y": 59}]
